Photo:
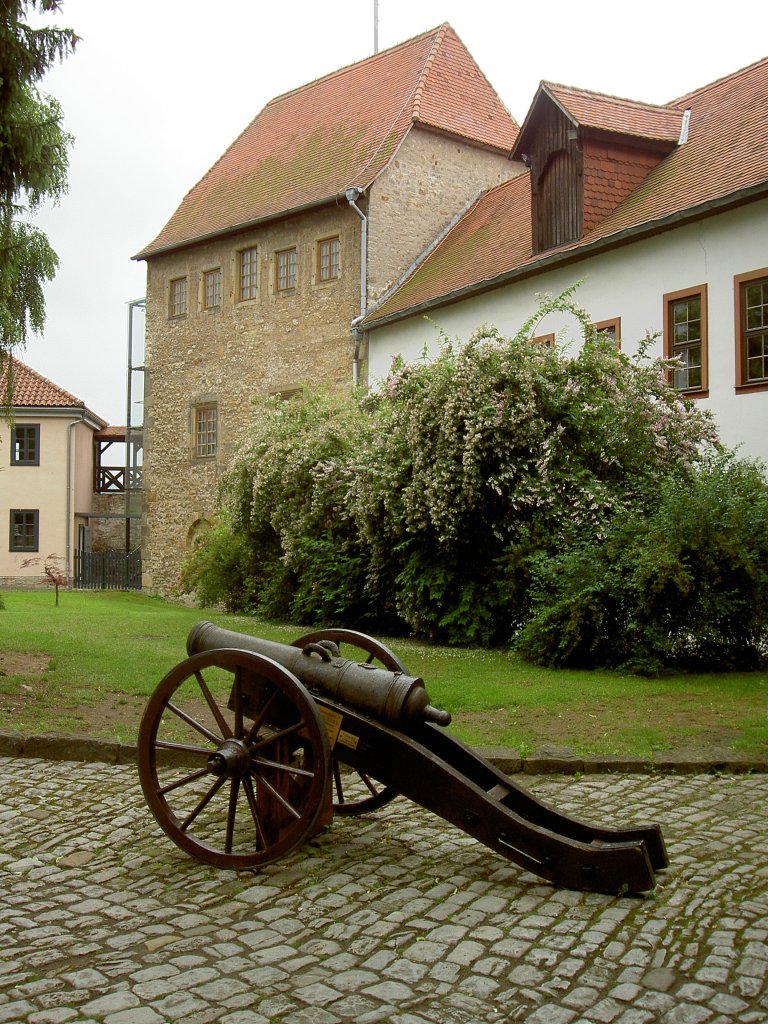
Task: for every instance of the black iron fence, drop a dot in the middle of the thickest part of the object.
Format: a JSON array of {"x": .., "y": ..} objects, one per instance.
[{"x": 107, "y": 570}]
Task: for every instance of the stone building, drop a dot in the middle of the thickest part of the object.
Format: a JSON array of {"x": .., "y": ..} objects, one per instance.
[{"x": 256, "y": 283}]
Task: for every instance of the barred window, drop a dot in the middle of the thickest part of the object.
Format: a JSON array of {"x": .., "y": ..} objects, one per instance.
[
  {"x": 212, "y": 288},
  {"x": 249, "y": 267},
  {"x": 206, "y": 424}
]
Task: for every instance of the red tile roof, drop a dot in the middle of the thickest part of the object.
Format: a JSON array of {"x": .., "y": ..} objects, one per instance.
[
  {"x": 32, "y": 390},
  {"x": 615, "y": 115},
  {"x": 725, "y": 160},
  {"x": 339, "y": 132}
]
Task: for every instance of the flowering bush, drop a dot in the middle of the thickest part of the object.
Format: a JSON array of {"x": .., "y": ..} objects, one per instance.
[
  {"x": 491, "y": 454},
  {"x": 435, "y": 503},
  {"x": 286, "y": 543}
]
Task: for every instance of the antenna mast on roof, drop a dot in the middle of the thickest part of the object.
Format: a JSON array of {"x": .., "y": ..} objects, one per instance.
[{"x": 375, "y": 26}]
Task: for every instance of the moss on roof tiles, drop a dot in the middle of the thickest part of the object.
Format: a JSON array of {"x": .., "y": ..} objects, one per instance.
[{"x": 338, "y": 132}]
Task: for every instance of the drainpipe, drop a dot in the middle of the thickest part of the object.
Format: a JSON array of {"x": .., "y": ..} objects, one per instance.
[
  {"x": 352, "y": 195},
  {"x": 68, "y": 552}
]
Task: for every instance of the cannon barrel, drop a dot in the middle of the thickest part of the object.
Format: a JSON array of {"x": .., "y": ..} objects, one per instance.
[{"x": 393, "y": 698}]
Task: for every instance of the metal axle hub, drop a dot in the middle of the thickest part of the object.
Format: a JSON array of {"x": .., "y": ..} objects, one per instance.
[{"x": 232, "y": 760}]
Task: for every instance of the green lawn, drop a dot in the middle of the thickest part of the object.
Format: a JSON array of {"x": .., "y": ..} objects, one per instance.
[{"x": 103, "y": 654}]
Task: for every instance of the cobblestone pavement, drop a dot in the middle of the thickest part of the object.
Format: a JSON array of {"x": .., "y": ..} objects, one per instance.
[{"x": 394, "y": 917}]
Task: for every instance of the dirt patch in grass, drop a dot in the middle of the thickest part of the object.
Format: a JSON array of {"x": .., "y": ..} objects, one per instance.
[
  {"x": 34, "y": 702},
  {"x": 29, "y": 696}
]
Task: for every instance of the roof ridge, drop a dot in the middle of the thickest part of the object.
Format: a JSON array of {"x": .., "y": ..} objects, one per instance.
[
  {"x": 412, "y": 100},
  {"x": 420, "y": 85},
  {"x": 300, "y": 88},
  {"x": 686, "y": 97}
]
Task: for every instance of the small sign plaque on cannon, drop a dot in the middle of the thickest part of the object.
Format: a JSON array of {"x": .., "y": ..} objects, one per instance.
[{"x": 246, "y": 746}]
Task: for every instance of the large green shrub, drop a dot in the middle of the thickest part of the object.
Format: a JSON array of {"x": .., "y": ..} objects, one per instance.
[{"x": 683, "y": 583}]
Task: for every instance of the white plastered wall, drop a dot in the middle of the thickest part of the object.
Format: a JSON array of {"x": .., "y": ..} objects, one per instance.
[{"x": 628, "y": 282}]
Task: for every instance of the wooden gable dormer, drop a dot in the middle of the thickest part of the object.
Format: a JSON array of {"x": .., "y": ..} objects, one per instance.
[{"x": 586, "y": 153}]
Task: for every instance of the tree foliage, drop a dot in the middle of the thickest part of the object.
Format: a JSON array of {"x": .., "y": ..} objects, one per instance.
[
  {"x": 33, "y": 164},
  {"x": 564, "y": 498}
]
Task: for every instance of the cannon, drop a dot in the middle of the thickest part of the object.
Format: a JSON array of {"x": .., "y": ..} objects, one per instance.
[{"x": 249, "y": 747}]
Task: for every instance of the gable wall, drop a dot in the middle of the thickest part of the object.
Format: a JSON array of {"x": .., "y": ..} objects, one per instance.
[
  {"x": 556, "y": 179},
  {"x": 629, "y": 283},
  {"x": 610, "y": 172},
  {"x": 427, "y": 183}
]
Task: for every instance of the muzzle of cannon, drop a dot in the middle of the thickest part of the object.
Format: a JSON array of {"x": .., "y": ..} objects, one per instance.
[{"x": 248, "y": 747}]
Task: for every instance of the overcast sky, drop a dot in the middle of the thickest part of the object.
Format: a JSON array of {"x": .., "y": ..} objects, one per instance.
[{"x": 157, "y": 89}]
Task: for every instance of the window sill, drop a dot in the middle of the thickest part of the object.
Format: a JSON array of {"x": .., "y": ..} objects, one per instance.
[
  {"x": 747, "y": 389},
  {"x": 704, "y": 393}
]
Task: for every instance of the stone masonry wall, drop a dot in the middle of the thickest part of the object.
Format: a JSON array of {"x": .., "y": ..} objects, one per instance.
[
  {"x": 426, "y": 185},
  {"x": 107, "y": 523},
  {"x": 272, "y": 343}
]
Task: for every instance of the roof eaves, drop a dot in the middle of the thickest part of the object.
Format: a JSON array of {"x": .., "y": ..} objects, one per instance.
[
  {"x": 593, "y": 247},
  {"x": 245, "y": 225},
  {"x": 76, "y": 413},
  {"x": 449, "y": 133}
]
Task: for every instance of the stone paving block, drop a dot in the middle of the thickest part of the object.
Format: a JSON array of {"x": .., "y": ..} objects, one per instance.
[{"x": 475, "y": 939}]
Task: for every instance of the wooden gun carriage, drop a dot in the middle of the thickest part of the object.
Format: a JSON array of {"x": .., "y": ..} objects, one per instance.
[{"x": 248, "y": 747}]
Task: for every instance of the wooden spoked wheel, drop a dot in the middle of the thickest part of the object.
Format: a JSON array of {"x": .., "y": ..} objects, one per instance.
[
  {"x": 356, "y": 792},
  {"x": 234, "y": 759}
]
